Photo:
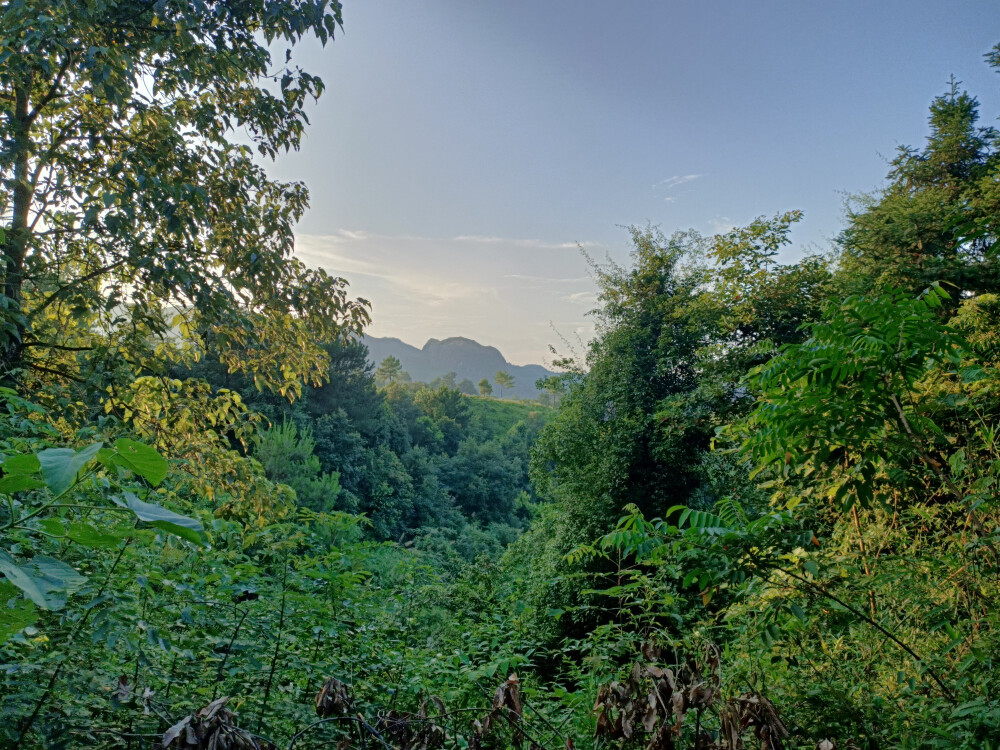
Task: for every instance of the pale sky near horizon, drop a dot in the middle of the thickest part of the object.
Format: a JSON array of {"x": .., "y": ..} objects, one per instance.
[{"x": 463, "y": 149}]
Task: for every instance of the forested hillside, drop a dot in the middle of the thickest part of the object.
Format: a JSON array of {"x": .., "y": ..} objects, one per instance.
[
  {"x": 763, "y": 514},
  {"x": 423, "y": 463}
]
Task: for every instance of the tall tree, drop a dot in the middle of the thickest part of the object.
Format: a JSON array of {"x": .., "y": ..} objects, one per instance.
[
  {"x": 937, "y": 218},
  {"x": 389, "y": 371},
  {"x": 503, "y": 379},
  {"x": 134, "y": 213}
]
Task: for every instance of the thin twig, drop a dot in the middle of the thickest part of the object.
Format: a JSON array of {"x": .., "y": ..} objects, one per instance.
[
  {"x": 229, "y": 650},
  {"x": 277, "y": 647}
]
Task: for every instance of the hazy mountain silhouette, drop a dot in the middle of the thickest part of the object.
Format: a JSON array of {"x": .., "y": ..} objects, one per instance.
[{"x": 465, "y": 357}]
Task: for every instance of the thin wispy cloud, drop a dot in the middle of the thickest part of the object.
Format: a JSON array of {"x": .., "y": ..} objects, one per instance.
[
  {"x": 405, "y": 283},
  {"x": 355, "y": 235},
  {"x": 676, "y": 181},
  {"x": 317, "y": 251},
  {"x": 519, "y": 242},
  {"x": 344, "y": 236},
  {"x": 545, "y": 279},
  {"x": 582, "y": 298}
]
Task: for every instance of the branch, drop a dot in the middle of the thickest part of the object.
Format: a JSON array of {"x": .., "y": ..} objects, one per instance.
[
  {"x": 53, "y": 91},
  {"x": 857, "y": 613},
  {"x": 83, "y": 279},
  {"x": 60, "y": 347},
  {"x": 57, "y": 373}
]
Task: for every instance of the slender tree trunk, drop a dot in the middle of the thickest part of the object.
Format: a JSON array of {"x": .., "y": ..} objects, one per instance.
[{"x": 15, "y": 243}]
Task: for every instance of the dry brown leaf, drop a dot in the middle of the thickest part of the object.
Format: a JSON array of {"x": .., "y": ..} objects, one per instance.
[
  {"x": 333, "y": 699},
  {"x": 212, "y": 727}
]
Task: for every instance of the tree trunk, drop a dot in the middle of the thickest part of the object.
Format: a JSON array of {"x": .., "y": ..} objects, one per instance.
[{"x": 15, "y": 243}]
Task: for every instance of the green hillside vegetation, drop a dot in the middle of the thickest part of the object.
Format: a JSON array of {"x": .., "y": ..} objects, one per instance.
[
  {"x": 763, "y": 515},
  {"x": 505, "y": 414}
]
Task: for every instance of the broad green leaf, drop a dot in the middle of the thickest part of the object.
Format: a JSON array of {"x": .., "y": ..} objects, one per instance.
[
  {"x": 24, "y": 464},
  {"x": 11, "y": 483},
  {"x": 141, "y": 459},
  {"x": 90, "y": 536},
  {"x": 53, "y": 526},
  {"x": 60, "y": 466},
  {"x": 47, "y": 582},
  {"x": 16, "y": 612},
  {"x": 155, "y": 515}
]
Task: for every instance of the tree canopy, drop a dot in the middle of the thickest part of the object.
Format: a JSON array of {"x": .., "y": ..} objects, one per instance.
[{"x": 138, "y": 219}]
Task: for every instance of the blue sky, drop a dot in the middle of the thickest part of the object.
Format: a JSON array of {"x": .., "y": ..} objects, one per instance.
[{"x": 464, "y": 147}]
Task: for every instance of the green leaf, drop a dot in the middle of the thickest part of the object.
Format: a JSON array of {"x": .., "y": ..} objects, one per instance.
[
  {"x": 24, "y": 464},
  {"x": 53, "y": 526},
  {"x": 155, "y": 515},
  {"x": 141, "y": 459},
  {"x": 60, "y": 466},
  {"x": 90, "y": 536},
  {"x": 16, "y": 613},
  {"x": 973, "y": 374},
  {"x": 12, "y": 483},
  {"x": 47, "y": 582}
]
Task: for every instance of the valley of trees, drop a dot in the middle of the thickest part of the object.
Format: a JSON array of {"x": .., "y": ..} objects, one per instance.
[{"x": 760, "y": 512}]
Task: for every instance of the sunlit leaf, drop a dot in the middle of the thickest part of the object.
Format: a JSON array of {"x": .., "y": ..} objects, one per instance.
[{"x": 141, "y": 459}]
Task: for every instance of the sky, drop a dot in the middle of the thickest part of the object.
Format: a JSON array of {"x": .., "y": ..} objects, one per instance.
[{"x": 465, "y": 151}]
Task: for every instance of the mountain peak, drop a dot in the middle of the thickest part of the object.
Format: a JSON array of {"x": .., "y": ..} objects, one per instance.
[
  {"x": 454, "y": 341},
  {"x": 467, "y": 358}
]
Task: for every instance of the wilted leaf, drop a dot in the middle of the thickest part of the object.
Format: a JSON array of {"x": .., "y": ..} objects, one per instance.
[
  {"x": 333, "y": 699},
  {"x": 175, "y": 731}
]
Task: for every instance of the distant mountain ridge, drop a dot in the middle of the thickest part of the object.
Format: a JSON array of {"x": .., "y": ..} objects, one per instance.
[{"x": 465, "y": 357}]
